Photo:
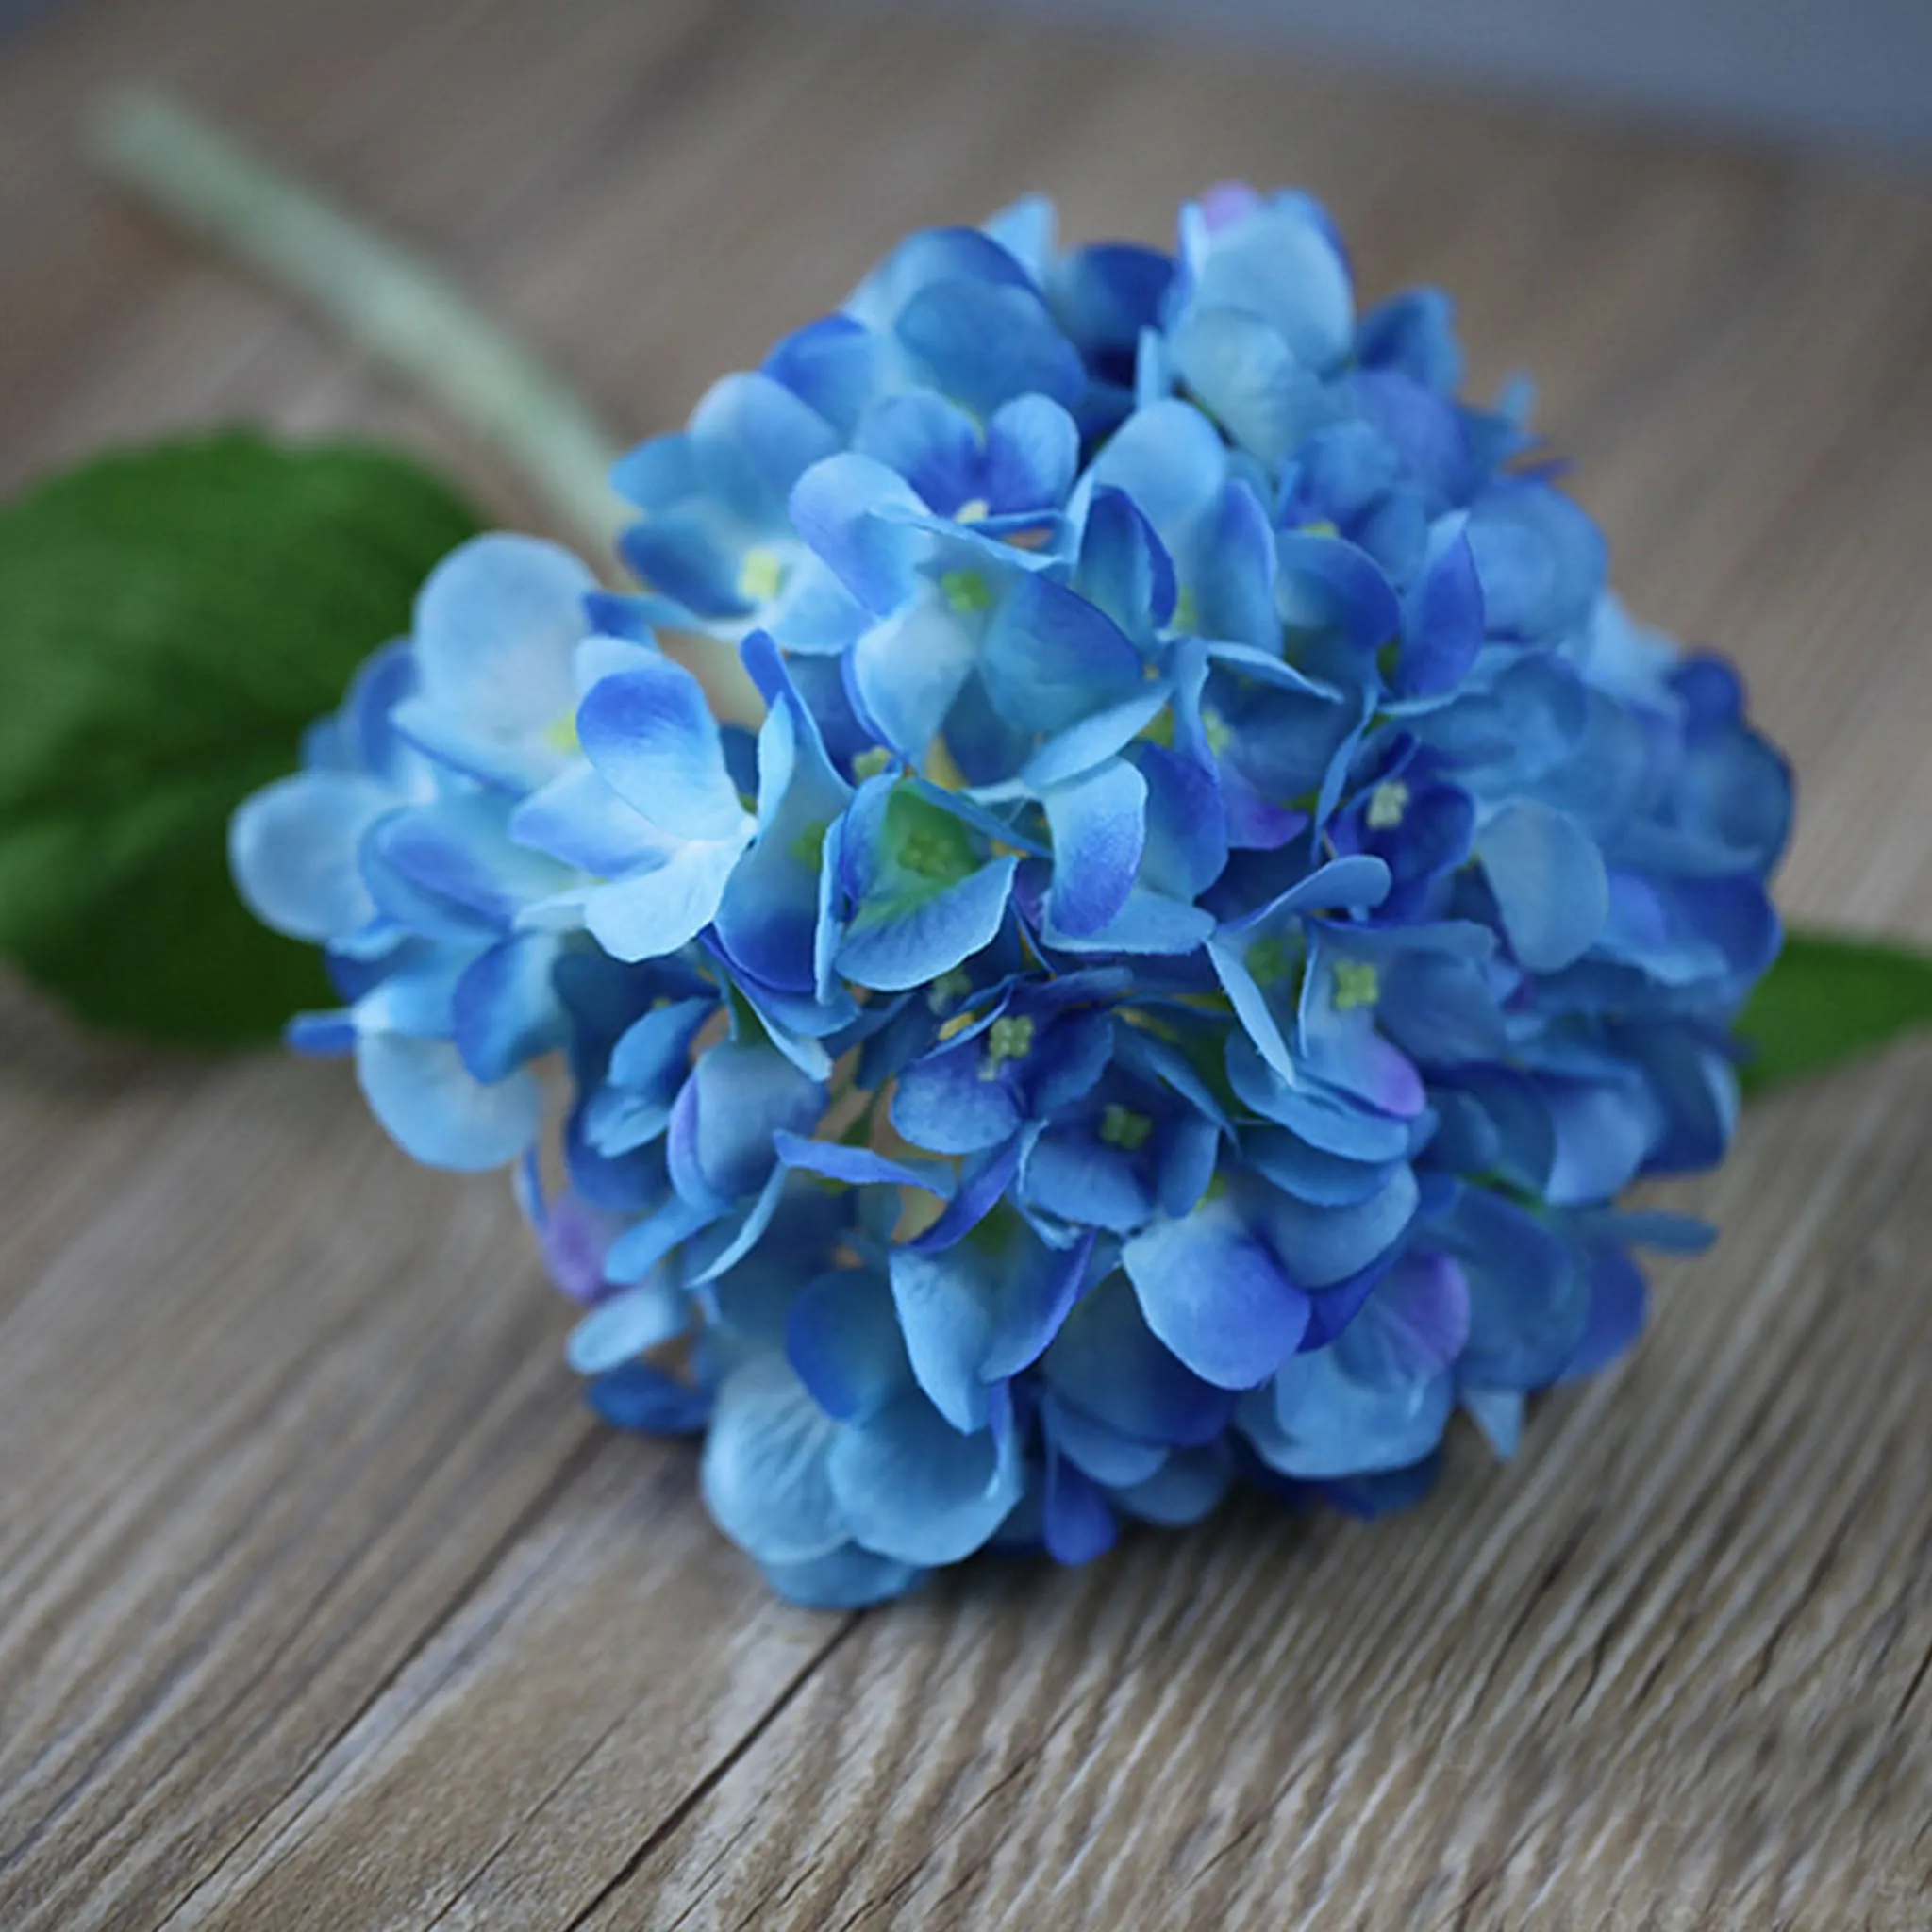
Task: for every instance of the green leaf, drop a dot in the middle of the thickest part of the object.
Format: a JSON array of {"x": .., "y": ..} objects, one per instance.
[
  {"x": 1828, "y": 999},
  {"x": 170, "y": 619}
]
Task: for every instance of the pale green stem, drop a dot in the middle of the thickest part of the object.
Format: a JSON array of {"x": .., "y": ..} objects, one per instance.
[{"x": 395, "y": 309}]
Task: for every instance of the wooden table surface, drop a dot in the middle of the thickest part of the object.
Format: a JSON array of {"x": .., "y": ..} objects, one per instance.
[{"x": 324, "y": 1601}]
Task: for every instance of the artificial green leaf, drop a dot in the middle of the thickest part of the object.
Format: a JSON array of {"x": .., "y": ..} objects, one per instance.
[
  {"x": 1828, "y": 999},
  {"x": 170, "y": 619}
]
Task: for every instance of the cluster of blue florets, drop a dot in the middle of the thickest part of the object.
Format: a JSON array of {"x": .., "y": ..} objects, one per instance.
[{"x": 1219, "y": 904}]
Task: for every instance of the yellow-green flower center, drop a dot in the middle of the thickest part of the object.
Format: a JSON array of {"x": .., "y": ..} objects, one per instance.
[
  {"x": 809, "y": 848},
  {"x": 967, "y": 591},
  {"x": 1270, "y": 962},
  {"x": 1122, "y": 1127},
  {"x": 760, "y": 575},
  {"x": 1006, "y": 1039},
  {"x": 1386, "y": 803},
  {"x": 1357, "y": 984}
]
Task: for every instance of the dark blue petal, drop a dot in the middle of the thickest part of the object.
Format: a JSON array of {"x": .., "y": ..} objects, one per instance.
[
  {"x": 832, "y": 364},
  {"x": 983, "y": 344},
  {"x": 505, "y": 1009},
  {"x": 1413, "y": 1327},
  {"x": 1527, "y": 1301},
  {"x": 637, "y": 1396},
  {"x": 1050, "y": 658},
  {"x": 1108, "y": 1365},
  {"x": 1078, "y": 1525},
  {"x": 1619, "y": 1300},
  {"x": 1322, "y": 1245},
  {"x": 843, "y": 1337},
  {"x": 1442, "y": 620}
]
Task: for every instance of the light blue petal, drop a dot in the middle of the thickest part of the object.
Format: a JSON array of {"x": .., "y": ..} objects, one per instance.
[
  {"x": 753, "y": 438},
  {"x": 452, "y": 859},
  {"x": 1323, "y": 1179},
  {"x": 764, "y": 1476},
  {"x": 912, "y": 947},
  {"x": 1148, "y": 923},
  {"x": 1245, "y": 374},
  {"x": 1098, "y": 829},
  {"x": 940, "y": 1102},
  {"x": 651, "y": 735},
  {"x": 494, "y": 626},
  {"x": 293, "y": 848},
  {"x": 577, "y": 817},
  {"x": 981, "y": 1311},
  {"x": 641, "y": 1247},
  {"x": 437, "y": 1111},
  {"x": 624, "y": 1325},
  {"x": 847, "y": 1578},
  {"x": 1498, "y": 1413},
  {"x": 1548, "y": 877},
  {"x": 1216, "y": 1296},
  {"x": 858, "y": 1166},
  {"x": 652, "y": 1055},
  {"x": 1032, "y": 449},
  {"x": 1170, "y": 460},
  {"x": 656, "y": 912},
  {"x": 1282, "y": 264},
  {"x": 741, "y": 1094},
  {"x": 907, "y": 669},
  {"x": 836, "y": 509},
  {"x": 1324, "y": 1120},
  {"x": 1332, "y": 1425},
  {"x": 1099, "y": 736},
  {"x": 913, "y": 1487}
]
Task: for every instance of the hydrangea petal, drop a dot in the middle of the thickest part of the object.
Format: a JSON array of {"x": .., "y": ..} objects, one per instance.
[
  {"x": 1216, "y": 1296},
  {"x": 765, "y": 1472},
  {"x": 915, "y": 1488},
  {"x": 437, "y": 1111},
  {"x": 1549, "y": 881},
  {"x": 651, "y": 736}
]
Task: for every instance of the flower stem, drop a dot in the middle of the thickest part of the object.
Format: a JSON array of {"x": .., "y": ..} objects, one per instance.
[{"x": 395, "y": 309}]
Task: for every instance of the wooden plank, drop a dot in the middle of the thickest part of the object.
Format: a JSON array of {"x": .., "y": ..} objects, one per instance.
[{"x": 326, "y": 1605}]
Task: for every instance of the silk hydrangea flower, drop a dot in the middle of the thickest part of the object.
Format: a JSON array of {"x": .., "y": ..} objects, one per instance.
[{"x": 1220, "y": 905}]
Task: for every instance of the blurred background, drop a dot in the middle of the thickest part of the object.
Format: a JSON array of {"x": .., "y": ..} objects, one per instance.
[{"x": 1849, "y": 73}]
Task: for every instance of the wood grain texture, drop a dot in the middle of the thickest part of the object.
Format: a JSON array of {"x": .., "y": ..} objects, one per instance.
[{"x": 323, "y": 1603}]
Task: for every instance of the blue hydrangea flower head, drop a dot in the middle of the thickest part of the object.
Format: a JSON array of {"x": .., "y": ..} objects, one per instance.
[{"x": 1219, "y": 904}]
